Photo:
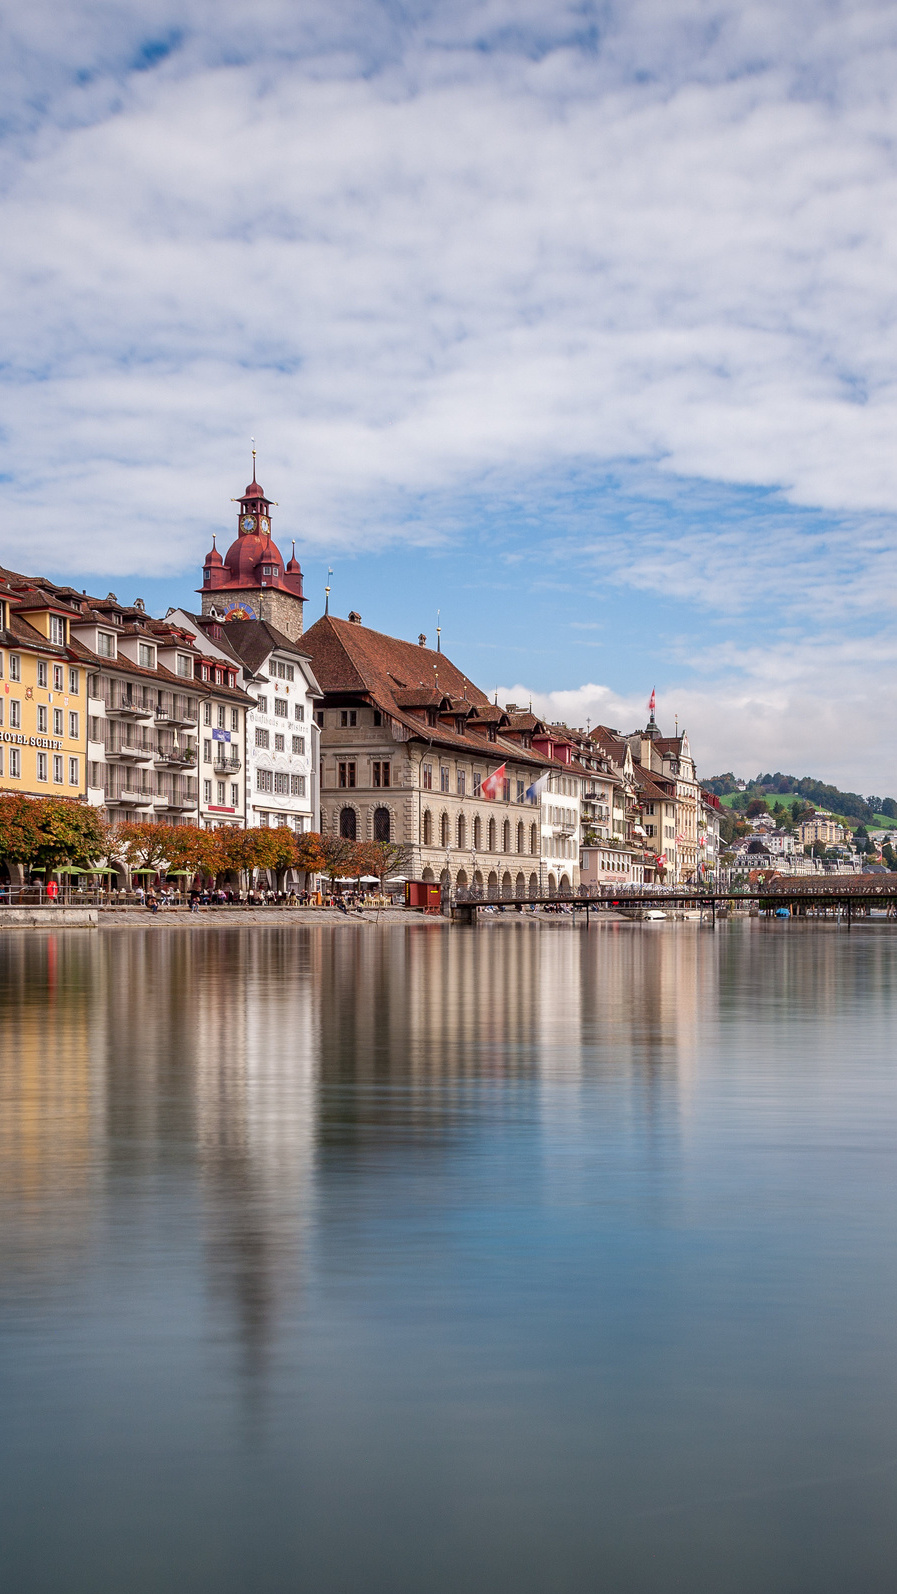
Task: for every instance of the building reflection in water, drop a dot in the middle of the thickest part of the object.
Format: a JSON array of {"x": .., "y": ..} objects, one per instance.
[{"x": 212, "y": 1080}]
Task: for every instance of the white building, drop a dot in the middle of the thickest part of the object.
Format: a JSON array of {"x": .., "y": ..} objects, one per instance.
[{"x": 280, "y": 759}]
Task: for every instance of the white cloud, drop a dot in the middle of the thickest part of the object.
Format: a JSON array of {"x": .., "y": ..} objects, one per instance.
[{"x": 461, "y": 249}]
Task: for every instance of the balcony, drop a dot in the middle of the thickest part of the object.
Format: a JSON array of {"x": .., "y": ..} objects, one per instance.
[
  {"x": 181, "y": 804},
  {"x": 177, "y": 722},
  {"x": 175, "y": 758},
  {"x": 128, "y": 799},
  {"x": 127, "y": 711},
  {"x": 127, "y": 754},
  {"x": 227, "y": 766}
]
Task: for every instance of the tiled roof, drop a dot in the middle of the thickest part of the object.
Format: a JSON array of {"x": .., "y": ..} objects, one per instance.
[{"x": 351, "y": 659}]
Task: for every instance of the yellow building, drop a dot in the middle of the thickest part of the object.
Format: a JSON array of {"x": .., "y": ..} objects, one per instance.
[{"x": 43, "y": 706}]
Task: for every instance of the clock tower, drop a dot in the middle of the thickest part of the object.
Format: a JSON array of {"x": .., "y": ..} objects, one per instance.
[{"x": 252, "y": 582}]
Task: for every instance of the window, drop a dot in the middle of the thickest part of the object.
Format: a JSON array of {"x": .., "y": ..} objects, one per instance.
[
  {"x": 281, "y": 708},
  {"x": 490, "y": 846},
  {"x": 381, "y": 774},
  {"x": 235, "y": 719},
  {"x": 299, "y": 711},
  {"x": 297, "y": 785},
  {"x": 462, "y": 831},
  {"x": 428, "y": 829},
  {"x": 41, "y": 766},
  {"x": 299, "y": 745},
  {"x": 235, "y": 795},
  {"x": 57, "y": 769},
  {"x": 146, "y": 657},
  {"x": 279, "y": 744},
  {"x": 506, "y": 790},
  {"x": 284, "y": 671},
  {"x": 427, "y": 777},
  {"x": 520, "y": 790},
  {"x": 15, "y": 713},
  {"x": 41, "y": 672},
  {"x": 57, "y": 677},
  {"x": 443, "y": 830},
  {"x": 477, "y": 833},
  {"x": 262, "y": 738},
  {"x": 221, "y": 790},
  {"x": 1, "y": 711},
  {"x": 319, "y": 716},
  {"x": 282, "y": 785},
  {"x": 207, "y": 713},
  {"x": 263, "y": 821},
  {"x": 477, "y": 783},
  {"x": 348, "y": 824},
  {"x": 41, "y": 717},
  {"x": 207, "y": 751},
  {"x": 185, "y": 665},
  {"x": 57, "y": 629},
  {"x": 15, "y": 667},
  {"x": 347, "y": 774},
  {"x": 348, "y": 716},
  {"x": 219, "y": 676},
  {"x": 506, "y": 836},
  {"x": 462, "y": 783},
  {"x": 261, "y": 705},
  {"x": 207, "y": 791},
  {"x": 74, "y": 721},
  {"x": 443, "y": 778},
  {"x": 221, "y": 713},
  {"x": 74, "y": 779},
  {"x": 264, "y": 780},
  {"x": 58, "y": 722},
  {"x": 15, "y": 763},
  {"x": 381, "y": 824},
  {"x": 105, "y": 645}
]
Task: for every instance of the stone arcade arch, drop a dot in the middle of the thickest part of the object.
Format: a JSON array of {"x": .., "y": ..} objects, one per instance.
[
  {"x": 492, "y": 884},
  {"x": 534, "y": 885},
  {"x": 520, "y": 886},
  {"x": 428, "y": 874},
  {"x": 382, "y": 824},
  {"x": 565, "y": 890},
  {"x": 461, "y": 879},
  {"x": 552, "y": 885},
  {"x": 506, "y": 886},
  {"x": 478, "y": 880}
]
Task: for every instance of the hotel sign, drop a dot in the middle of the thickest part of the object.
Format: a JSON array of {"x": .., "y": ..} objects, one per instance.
[{"x": 21, "y": 740}]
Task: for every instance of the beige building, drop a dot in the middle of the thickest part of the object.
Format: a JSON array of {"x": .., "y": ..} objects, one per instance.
[{"x": 413, "y": 753}]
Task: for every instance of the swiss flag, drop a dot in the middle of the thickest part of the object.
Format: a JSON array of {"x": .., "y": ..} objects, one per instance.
[{"x": 493, "y": 784}]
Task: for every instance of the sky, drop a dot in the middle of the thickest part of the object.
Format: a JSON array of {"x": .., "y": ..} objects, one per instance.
[{"x": 567, "y": 326}]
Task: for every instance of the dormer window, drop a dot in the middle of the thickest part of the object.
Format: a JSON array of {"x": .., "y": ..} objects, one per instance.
[
  {"x": 185, "y": 666},
  {"x": 431, "y": 716},
  {"x": 57, "y": 629},
  {"x": 146, "y": 656},
  {"x": 106, "y": 644}
]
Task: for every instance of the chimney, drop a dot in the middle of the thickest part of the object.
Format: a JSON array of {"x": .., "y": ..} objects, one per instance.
[
  {"x": 354, "y": 617},
  {"x": 421, "y": 641}
]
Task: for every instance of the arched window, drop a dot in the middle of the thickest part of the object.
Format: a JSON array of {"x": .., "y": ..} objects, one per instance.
[
  {"x": 428, "y": 829},
  {"x": 347, "y": 824},
  {"x": 462, "y": 831},
  {"x": 491, "y": 847},
  {"x": 443, "y": 831},
  {"x": 506, "y": 836},
  {"x": 478, "y": 833},
  {"x": 381, "y": 824},
  {"x": 521, "y": 838},
  {"x": 533, "y": 840}
]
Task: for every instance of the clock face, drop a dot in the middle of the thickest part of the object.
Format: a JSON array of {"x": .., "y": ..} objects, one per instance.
[
  {"x": 240, "y": 611},
  {"x": 248, "y": 523},
  {"x": 264, "y": 524}
]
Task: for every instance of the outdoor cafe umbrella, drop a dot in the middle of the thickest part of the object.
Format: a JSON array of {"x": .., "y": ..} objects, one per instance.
[{"x": 70, "y": 868}]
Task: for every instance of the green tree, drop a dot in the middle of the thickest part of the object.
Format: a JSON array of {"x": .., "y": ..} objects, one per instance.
[{"x": 18, "y": 829}]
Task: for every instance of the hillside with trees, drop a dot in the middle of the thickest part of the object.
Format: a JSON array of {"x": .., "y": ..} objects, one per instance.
[{"x": 849, "y": 805}]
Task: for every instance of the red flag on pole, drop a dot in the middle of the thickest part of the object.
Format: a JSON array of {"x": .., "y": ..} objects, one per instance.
[
  {"x": 493, "y": 783},
  {"x": 652, "y": 702}
]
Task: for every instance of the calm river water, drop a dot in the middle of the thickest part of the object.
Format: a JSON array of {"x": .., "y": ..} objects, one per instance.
[{"x": 418, "y": 1261}]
